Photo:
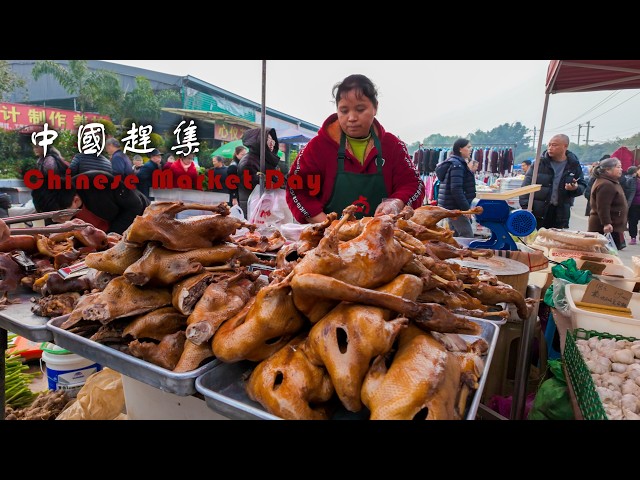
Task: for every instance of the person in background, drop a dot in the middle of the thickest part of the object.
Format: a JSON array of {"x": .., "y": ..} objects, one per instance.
[
  {"x": 590, "y": 180},
  {"x": 182, "y": 167},
  {"x": 473, "y": 165},
  {"x": 251, "y": 161},
  {"x": 608, "y": 203},
  {"x": 560, "y": 175},
  {"x": 145, "y": 174},
  {"x": 137, "y": 163},
  {"x": 628, "y": 182},
  {"x": 53, "y": 162},
  {"x": 458, "y": 187},
  {"x": 356, "y": 161},
  {"x": 525, "y": 165},
  {"x": 167, "y": 160},
  {"x": 634, "y": 208},
  {"x": 85, "y": 162},
  {"x": 232, "y": 169},
  {"x": 120, "y": 162},
  {"x": 109, "y": 209},
  {"x": 219, "y": 169}
]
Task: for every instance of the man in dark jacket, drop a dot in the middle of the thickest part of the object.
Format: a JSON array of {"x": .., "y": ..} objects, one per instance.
[
  {"x": 560, "y": 174},
  {"x": 109, "y": 209},
  {"x": 145, "y": 174},
  {"x": 120, "y": 162}
]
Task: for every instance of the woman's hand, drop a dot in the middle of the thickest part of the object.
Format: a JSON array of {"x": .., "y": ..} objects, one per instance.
[
  {"x": 389, "y": 206},
  {"x": 608, "y": 228}
]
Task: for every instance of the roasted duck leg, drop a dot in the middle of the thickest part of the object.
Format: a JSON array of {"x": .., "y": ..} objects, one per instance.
[
  {"x": 187, "y": 292},
  {"x": 428, "y": 316},
  {"x": 193, "y": 356},
  {"x": 158, "y": 223},
  {"x": 442, "y": 251},
  {"x": 429, "y": 215},
  {"x": 494, "y": 294}
]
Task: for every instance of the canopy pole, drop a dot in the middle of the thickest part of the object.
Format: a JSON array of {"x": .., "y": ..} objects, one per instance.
[
  {"x": 536, "y": 164},
  {"x": 263, "y": 135}
]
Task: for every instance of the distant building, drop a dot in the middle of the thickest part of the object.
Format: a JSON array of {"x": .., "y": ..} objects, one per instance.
[{"x": 221, "y": 116}]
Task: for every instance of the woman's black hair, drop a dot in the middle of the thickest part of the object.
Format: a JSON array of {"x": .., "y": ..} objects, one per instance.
[
  {"x": 360, "y": 84},
  {"x": 460, "y": 143}
]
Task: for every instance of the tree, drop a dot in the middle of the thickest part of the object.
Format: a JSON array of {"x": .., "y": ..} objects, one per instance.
[
  {"x": 97, "y": 89},
  {"x": 9, "y": 80},
  {"x": 143, "y": 104},
  {"x": 504, "y": 134}
]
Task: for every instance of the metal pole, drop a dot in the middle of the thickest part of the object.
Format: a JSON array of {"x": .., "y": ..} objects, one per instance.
[
  {"x": 536, "y": 164},
  {"x": 263, "y": 135},
  {"x": 579, "y": 128},
  {"x": 524, "y": 358},
  {"x": 3, "y": 369},
  {"x": 589, "y": 127}
]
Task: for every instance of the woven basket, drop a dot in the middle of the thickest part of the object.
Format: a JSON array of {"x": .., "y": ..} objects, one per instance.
[{"x": 583, "y": 386}]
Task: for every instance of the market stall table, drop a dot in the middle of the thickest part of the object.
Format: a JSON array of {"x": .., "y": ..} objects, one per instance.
[
  {"x": 18, "y": 318},
  {"x": 164, "y": 391}
]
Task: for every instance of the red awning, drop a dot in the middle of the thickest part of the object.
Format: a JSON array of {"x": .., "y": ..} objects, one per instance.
[{"x": 592, "y": 75}]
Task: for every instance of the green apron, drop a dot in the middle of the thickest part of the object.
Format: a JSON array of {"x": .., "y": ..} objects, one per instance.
[{"x": 366, "y": 190}]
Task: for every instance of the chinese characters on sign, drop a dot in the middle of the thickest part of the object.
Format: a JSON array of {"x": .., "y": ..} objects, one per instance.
[
  {"x": 14, "y": 116},
  {"x": 48, "y": 136},
  {"x": 91, "y": 138},
  {"x": 140, "y": 136},
  {"x": 189, "y": 139}
]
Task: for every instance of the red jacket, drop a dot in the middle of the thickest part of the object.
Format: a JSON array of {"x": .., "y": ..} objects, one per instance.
[
  {"x": 320, "y": 158},
  {"x": 177, "y": 170}
]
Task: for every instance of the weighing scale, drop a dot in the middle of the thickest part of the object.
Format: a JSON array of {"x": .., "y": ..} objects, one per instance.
[{"x": 498, "y": 217}]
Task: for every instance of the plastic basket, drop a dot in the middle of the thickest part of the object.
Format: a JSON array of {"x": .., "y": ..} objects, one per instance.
[{"x": 580, "y": 376}]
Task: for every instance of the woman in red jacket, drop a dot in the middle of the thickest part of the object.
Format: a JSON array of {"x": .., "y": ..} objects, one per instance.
[
  {"x": 183, "y": 166},
  {"x": 356, "y": 161}
]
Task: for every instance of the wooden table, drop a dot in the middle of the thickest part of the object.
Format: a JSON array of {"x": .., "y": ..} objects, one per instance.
[{"x": 563, "y": 324}]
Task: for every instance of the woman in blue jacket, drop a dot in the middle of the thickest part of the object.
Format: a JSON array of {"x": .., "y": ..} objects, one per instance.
[{"x": 457, "y": 186}]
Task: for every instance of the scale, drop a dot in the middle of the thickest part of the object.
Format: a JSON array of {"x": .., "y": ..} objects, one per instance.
[{"x": 498, "y": 217}]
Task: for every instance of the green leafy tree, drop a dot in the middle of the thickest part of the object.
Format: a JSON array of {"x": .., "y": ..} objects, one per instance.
[
  {"x": 506, "y": 134},
  {"x": 9, "y": 80},
  {"x": 143, "y": 105},
  {"x": 94, "y": 89}
]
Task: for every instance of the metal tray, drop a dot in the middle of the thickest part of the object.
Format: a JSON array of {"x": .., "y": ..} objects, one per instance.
[
  {"x": 223, "y": 387},
  {"x": 178, "y": 383},
  {"x": 18, "y": 318}
]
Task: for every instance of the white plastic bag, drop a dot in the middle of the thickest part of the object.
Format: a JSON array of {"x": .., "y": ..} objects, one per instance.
[
  {"x": 611, "y": 244},
  {"x": 269, "y": 208},
  {"x": 236, "y": 212}
]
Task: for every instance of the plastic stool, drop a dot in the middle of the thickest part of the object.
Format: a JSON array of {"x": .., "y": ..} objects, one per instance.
[{"x": 549, "y": 334}]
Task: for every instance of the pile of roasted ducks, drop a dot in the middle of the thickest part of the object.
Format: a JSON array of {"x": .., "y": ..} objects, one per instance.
[
  {"x": 174, "y": 281},
  {"x": 31, "y": 258},
  {"x": 357, "y": 313}
]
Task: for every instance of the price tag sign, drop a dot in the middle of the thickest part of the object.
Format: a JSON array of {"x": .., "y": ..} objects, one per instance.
[{"x": 604, "y": 294}]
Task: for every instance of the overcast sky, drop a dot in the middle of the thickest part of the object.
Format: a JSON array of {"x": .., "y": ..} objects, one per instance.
[{"x": 420, "y": 97}]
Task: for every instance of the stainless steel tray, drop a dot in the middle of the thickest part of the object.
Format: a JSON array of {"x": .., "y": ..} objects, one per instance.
[
  {"x": 223, "y": 387},
  {"x": 18, "y": 318},
  {"x": 178, "y": 383}
]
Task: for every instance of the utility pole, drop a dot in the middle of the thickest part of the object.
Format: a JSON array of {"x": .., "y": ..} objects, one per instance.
[
  {"x": 588, "y": 127},
  {"x": 579, "y": 127},
  {"x": 534, "y": 136}
]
